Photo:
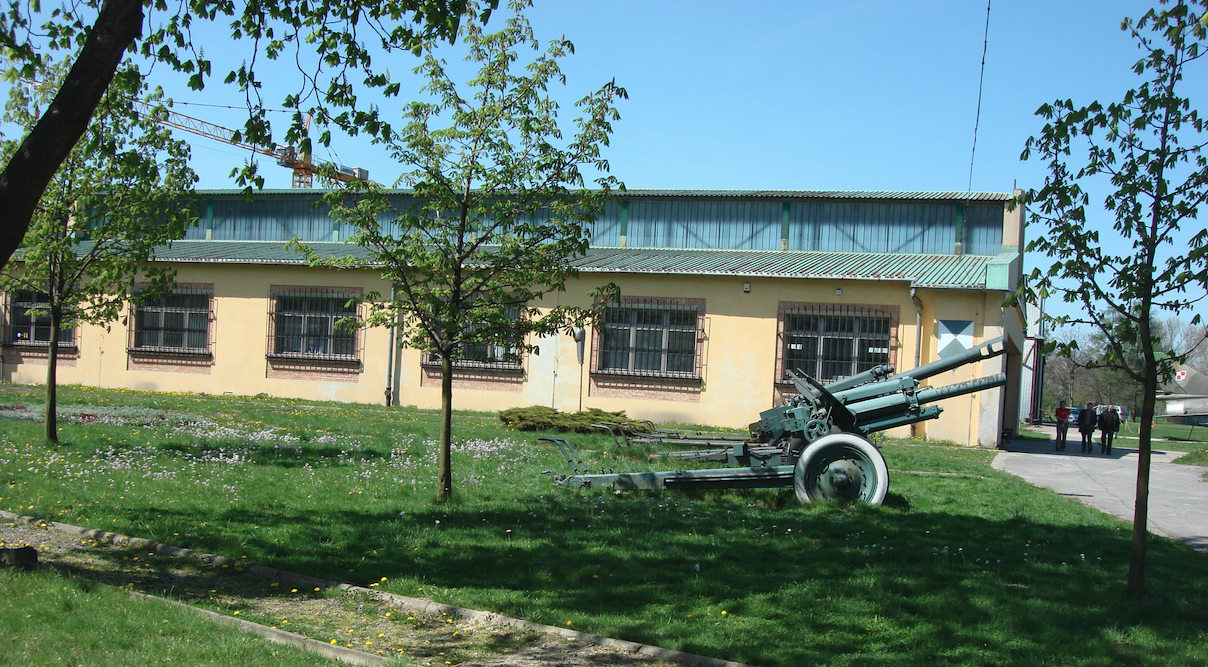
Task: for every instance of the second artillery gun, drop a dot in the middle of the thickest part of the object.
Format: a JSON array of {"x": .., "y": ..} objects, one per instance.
[{"x": 817, "y": 442}]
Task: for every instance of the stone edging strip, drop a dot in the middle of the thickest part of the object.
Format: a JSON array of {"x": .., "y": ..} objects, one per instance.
[
  {"x": 329, "y": 651},
  {"x": 411, "y": 604}
]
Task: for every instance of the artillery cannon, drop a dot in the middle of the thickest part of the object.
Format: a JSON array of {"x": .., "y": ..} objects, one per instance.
[{"x": 817, "y": 442}]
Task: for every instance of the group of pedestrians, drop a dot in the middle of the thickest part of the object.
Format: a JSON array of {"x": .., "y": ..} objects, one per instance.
[{"x": 1108, "y": 422}]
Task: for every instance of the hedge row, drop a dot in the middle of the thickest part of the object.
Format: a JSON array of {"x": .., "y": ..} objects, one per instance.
[{"x": 541, "y": 418}]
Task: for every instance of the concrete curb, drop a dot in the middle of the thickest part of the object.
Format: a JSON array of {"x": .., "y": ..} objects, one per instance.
[{"x": 403, "y": 602}]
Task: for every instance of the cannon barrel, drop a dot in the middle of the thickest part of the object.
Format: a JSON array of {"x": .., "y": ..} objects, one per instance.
[
  {"x": 902, "y": 403},
  {"x": 871, "y": 375},
  {"x": 931, "y": 394},
  {"x": 987, "y": 350},
  {"x": 874, "y": 389}
]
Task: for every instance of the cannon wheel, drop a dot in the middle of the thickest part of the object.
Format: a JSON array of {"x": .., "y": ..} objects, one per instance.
[{"x": 841, "y": 466}]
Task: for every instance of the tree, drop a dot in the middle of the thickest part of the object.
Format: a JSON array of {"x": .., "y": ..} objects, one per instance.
[
  {"x": 1066, "y": 375},
  {"x": 498, "y": 212},
  {"x": 1148, "y": 152},
  {"x": 342, "y": 35},
  {"x": 124, "y": 188},
  {"x": 1183, "y": 335}
]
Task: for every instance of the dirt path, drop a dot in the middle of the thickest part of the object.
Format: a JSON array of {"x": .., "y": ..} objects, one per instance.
[{"x": 359, "y": 621}]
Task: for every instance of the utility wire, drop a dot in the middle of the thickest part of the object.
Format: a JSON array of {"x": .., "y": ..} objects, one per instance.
[
  {"x": 980, "y": 80},
  {"x": 227, "y": 106}
]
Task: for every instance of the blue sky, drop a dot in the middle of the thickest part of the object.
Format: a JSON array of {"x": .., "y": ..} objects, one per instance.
[{"x": 799, "y": 95}]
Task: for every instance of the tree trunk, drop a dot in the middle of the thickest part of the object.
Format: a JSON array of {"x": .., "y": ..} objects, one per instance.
[
  {"x": 52, "y": 367},
  {"x": 48, "y": 144},
  {"x": 1135, "y": 586},
  {"x": 444, "y": 470}
]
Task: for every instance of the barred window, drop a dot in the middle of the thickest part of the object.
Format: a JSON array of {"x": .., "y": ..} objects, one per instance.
[
  {"x": 651, "y": 337},
  {"x": 29, "y": 321},
  {"x": 502, "y": 354},
  {"x": 177, "y": 322},
  {"x": 833, "y": 342},
  {"x": 305, "y": 325}
]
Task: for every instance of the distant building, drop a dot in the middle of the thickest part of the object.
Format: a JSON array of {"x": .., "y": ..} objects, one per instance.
[
  {"x": 1032, "y": 386},
  {"x": 723, "y": 291}
]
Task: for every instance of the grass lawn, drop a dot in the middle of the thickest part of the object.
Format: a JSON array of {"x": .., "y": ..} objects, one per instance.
[
  {"x": 981, "y": 569},
  {"x": 1181, "y": 437},
  {"x": 50, "y": 620}
]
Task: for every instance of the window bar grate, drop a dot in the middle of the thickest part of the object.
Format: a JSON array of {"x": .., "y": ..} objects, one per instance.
[
  {"x": 304, "y": 323},
  {"x": 829, "y": 342},
  {"x": 179, "y": 322},
  {"x": 652, "y": 337},
  {"x": 32, "y": 329}
]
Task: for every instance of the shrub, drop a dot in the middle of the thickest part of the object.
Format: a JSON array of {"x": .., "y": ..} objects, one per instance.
[{"x": 542, "y": 418}]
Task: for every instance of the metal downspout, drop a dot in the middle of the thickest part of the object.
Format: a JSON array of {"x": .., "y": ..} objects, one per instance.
[
  {"x": 918, "y": 342},
  {"x": 390, "y": 360}
]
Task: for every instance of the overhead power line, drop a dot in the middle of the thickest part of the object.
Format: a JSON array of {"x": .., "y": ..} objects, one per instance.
[{"x": 980, "y": 80}]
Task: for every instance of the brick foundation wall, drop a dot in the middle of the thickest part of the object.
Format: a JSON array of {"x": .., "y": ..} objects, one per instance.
[
  {"x": 645, "y": 388},
  {"x": 169, "y": 363},
  {"x": 37, "y": 356},
  {"x": 313, "y": 370},
  {"x": 481, "y": 379}
]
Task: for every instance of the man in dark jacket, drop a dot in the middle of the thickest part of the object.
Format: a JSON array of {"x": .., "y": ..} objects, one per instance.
[
  {"x": 1109, "y": 423},
  {"x": 1086, "y": 427}
]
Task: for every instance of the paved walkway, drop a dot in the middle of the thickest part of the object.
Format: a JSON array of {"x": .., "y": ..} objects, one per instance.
[{"x": 1178, "y": 498}]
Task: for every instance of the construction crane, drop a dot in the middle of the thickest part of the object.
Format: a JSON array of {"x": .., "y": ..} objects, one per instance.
[{"x": 286, "y": 156}]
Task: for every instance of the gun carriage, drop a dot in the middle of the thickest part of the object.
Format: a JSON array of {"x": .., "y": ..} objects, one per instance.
[{"x": 817, "y": 442}]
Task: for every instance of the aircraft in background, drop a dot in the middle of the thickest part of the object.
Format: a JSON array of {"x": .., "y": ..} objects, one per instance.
[{"x": 1185, "y": 397}]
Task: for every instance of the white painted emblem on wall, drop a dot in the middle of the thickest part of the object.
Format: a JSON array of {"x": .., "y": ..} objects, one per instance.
[{"x": 955, "y": 337}]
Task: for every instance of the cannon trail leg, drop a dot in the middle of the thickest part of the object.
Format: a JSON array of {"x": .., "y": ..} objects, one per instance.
[{"x": 841, "y": 466}]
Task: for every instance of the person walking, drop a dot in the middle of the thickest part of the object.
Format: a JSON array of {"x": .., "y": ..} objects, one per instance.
[
  {"x": 1086, "y": 427},
  {"x": 1063, "y": 425},
  {"x": 1109, "y": 423}
]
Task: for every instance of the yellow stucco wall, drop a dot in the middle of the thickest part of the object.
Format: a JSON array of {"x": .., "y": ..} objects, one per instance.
[{"x": 738, "y": 355}]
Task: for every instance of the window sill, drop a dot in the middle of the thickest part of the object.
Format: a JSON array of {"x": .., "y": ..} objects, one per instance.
[
  {"x": 40, "y": 345},
  {"x": 319, "y": 358},
  {"x": 169, "y": 352},
  {"x": 647, "y": 375},
  {"x": 501, "y": 367}
]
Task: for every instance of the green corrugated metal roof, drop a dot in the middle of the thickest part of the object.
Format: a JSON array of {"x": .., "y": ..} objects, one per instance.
[
  {"x": 755, "y": 194},
  {"x": 249, "y": 252},
  {"x": 937, "y": 271},
  {"x": 934, "y": 271},
  {"x": 823, "y": 194}
]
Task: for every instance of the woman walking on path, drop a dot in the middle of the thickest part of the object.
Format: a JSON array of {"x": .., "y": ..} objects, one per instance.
[{"x": 1063, "y": 426}]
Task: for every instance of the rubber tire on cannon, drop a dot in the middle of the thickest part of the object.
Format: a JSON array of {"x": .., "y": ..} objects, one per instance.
[{"x": 841, "y": 466}]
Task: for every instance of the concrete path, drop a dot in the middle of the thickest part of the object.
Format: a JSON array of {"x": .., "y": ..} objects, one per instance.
[{"x": 1178, "y": 497}]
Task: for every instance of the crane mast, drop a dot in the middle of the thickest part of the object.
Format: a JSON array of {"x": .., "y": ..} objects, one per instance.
[{"x": 286, "y": 156}]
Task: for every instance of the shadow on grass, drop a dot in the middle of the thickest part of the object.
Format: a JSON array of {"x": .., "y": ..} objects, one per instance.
[{"x": 910, "y": 586}]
